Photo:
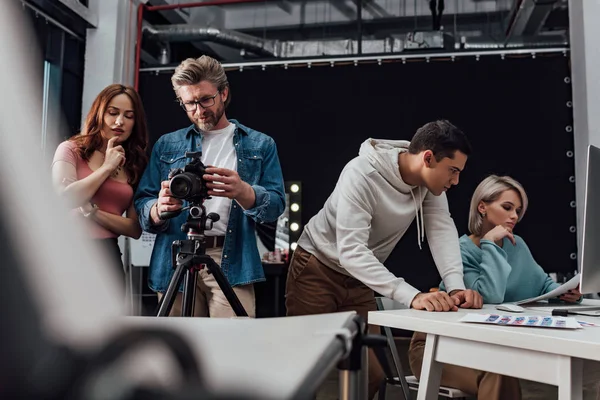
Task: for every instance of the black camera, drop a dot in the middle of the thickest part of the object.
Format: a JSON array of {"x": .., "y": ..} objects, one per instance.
[{"x": 187, "y": 183}]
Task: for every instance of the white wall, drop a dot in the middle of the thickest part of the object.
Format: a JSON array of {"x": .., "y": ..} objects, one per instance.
[{"x": 110, "y": 49}]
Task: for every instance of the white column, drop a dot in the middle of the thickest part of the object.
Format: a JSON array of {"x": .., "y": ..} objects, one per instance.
[
  {"x": 585, "y": 76},
  {"x": 110, "y": 48},
  {"x": 110, "y": 58}
]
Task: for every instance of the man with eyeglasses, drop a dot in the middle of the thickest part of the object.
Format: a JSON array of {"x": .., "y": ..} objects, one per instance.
[{"x": 244, "y": 180}]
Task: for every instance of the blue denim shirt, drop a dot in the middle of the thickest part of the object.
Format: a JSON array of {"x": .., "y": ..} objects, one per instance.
[{"x": 258, "y": 165}]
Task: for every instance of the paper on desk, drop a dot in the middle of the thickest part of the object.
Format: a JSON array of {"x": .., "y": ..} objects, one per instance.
[
  {"x": 534, "y": 321},
  {"x": 562, "y": 289}
]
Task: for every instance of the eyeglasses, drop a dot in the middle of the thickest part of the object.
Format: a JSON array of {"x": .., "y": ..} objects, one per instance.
[{"x": 206, "y": 102}]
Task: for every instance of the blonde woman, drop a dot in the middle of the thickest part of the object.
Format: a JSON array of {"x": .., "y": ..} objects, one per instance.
[{"x": 497, "y": 264}]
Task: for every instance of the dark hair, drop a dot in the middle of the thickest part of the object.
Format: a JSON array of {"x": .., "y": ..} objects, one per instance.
[
  {"x": 90, "y": 137},
  {"x": 442, "y": 138}
]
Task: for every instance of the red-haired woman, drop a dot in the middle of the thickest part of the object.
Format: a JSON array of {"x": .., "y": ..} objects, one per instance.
[{"x": 98, "y": 169}]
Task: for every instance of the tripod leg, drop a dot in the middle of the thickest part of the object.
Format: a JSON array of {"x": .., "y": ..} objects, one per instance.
[
  {"x": 214, "y": 269},
  {"x": 167, "y": 302},
  {"x": 189, "y": 292}
]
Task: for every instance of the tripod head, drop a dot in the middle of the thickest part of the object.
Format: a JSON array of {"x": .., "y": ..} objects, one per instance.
[
  {"x": 197, "y": 221},
  {"x": 189, "y": 256}
]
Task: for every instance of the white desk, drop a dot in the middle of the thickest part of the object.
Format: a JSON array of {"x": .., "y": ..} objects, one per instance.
[
  {"x": 551, "y": 356},
  {"x": 268, "y": 358}
]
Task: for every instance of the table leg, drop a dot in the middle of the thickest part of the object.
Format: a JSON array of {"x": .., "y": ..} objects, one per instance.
[
  {"x": 351, "y": 385},
  {"x": 570, "y": 384},
  {"x": 431, "y": 371},
  {"x": 353, "y": 376}
]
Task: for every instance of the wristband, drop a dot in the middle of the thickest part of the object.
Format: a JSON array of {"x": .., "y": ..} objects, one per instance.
[{"x": 92, "y": 211}]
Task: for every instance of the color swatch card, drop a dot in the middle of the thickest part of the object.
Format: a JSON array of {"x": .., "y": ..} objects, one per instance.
[{"x": 536, "y": 321}]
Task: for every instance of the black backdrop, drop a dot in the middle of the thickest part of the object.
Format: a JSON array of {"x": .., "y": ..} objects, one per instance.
[{"x": 514, "y": 111}]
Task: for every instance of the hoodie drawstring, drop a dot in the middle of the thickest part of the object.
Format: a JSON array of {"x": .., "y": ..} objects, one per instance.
[
  {"x": 422, "y": 218},
  {"x": 421, "y": 224}
]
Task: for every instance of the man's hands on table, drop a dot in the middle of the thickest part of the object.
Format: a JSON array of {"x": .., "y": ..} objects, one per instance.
[{"x": 441, "y": 301}]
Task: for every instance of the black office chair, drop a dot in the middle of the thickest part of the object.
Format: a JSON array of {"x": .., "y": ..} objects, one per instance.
[{"x": 395, "y": 374}]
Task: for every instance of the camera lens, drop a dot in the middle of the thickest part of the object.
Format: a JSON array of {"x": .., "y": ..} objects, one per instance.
[
  {"x": 186, "y": 185},
  {"x": 180, "y": 186}
]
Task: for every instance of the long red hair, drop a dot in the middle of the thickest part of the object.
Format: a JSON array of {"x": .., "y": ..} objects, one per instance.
[{"x": 90, "y": 138}]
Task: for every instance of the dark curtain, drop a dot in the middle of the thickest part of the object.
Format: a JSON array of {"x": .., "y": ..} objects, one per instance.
[{"x": 514, "y": 111}]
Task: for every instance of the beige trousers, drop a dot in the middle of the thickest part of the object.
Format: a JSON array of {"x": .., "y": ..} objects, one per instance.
[{"x": 210, "y": 301}]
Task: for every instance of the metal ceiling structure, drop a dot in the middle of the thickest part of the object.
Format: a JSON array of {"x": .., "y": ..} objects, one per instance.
[
  {"x": 264, "y": 31},
  {"x": 250, "y": 30},
  {"x": 246, "y": 30}
]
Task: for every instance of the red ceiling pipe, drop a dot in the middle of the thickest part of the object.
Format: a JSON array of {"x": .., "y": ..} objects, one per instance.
[
  {"x": 201, "y": 4},
  {"x": 140, "y": 19}
]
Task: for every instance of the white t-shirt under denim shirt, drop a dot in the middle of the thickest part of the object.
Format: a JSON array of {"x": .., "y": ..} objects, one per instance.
[{"x": 218, "y": 151}]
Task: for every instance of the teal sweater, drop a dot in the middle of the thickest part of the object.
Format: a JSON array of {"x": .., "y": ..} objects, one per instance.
[{"x": 503, "y": 274}]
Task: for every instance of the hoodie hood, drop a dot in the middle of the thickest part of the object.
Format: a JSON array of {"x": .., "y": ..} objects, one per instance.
[{"x": 383, "y": 156}]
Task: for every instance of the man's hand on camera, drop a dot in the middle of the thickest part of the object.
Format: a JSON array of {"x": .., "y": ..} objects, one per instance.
[
  {"x": 467, "y": 298},
  {"x": 223, "y": 182},
  {"x": 164, "y": 203},
  {"x": 434, "y": 301}
]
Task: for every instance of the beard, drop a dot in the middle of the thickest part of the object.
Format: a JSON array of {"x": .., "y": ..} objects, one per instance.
[{"x": 211, "y": 119}]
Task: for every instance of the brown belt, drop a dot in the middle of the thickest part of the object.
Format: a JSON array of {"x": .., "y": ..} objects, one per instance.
[{"x": 214, "y": 241}]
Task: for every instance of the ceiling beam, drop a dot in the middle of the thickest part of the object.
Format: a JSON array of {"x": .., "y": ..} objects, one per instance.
[
  {"x": 374, "y": 9},
  {"x": 344, "y": 8},
  {"x": 286, "y": 6},
  {"x": 89, "y": 14},
  {"x": 378, "y": 27},
  {"x": 148, "y": 58},
  {"x": 527, "y": 17}
]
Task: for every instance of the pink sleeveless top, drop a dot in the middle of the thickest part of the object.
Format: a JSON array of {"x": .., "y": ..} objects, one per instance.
[{"x": 113, "y": 196}]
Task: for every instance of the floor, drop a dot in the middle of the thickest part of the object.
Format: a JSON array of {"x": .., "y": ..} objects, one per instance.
[{"x": 530, "y": 390}]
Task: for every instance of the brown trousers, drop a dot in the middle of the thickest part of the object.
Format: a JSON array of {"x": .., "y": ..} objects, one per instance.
[
  {"x": 484, "y": 385},
  {"x": 314, "y": 288}
]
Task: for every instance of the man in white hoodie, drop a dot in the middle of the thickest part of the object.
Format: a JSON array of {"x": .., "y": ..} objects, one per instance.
[{"x": 339, "y": 259}]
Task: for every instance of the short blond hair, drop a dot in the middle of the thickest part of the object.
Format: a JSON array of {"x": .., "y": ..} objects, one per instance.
[
  {"x": 489, "y": 190},
  {"x": 195, "y": 70}
]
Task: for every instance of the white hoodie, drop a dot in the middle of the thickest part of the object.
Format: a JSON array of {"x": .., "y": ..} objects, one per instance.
[{"x": 369, "y": 211}]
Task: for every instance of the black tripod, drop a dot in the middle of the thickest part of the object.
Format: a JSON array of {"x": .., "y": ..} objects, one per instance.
[{"x": 191, "y": 258}]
